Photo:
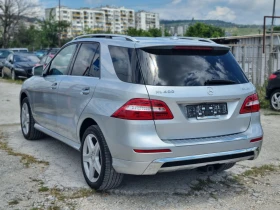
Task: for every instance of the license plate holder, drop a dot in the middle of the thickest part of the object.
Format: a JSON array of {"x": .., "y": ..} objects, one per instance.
[{"x": 206, "y": 110}]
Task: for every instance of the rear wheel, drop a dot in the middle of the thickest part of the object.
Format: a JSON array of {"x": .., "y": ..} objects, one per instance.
[
  {"x": 2, "y": 73},
  {"x": 14, "y": 76},
  {"x": 28, "y": 122},
  {"x": 275, "y": 100},
  {"x": 97, "y": 161}
]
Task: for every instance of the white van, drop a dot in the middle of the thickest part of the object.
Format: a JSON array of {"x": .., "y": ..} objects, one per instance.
[{"x": 18, "y": 49}]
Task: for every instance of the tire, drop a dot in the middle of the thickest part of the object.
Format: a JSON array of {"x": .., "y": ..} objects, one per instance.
[
  {"x": 96, "y": 161},
  {"x": 14, "y": 76},
  {"x": 216, "y": 168},
  {"x": 274, "y": 98},
  {"x": 27, "y": 122}
]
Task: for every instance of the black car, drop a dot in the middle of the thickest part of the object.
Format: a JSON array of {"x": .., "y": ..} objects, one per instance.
[
  {"x": 3, "y": 55},
  {"x": 273, "y": 90},
  {"x": 19, "y": 65}
]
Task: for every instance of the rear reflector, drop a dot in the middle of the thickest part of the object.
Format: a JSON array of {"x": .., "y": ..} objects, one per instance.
[
  {"x": 144, "y": 109},
  {"x": 251, "y": 104},
  {"x": 272, "y": 76},
  {"x": 152, "y": 151},
  {"x": 192, "y": 48},
  {"x": 257, "y": 139}
]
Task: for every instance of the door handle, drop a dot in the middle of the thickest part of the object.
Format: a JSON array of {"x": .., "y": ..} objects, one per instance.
[
  {"x": 54, "y": 86},
  {"x": 85, "y": 91}
]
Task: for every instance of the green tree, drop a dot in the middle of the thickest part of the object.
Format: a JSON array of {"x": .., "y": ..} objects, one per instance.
[{"x": 205, "y": 31}]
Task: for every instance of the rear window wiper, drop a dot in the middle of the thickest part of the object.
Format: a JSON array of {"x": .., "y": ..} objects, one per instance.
[{"x": 219, "y": 82}]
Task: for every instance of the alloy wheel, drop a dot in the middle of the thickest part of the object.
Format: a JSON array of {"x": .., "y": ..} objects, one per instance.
[
  {"x": 25, "y": 118},
  {"x": 92, "y": 158},
  {"x": 275, "y": 101}
]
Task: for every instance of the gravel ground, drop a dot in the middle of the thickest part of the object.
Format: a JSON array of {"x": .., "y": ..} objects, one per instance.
[{"x": 46, "y": 174}]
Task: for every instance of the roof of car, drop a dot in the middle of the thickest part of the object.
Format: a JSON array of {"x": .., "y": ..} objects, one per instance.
[{"x": 138, "y": 42}]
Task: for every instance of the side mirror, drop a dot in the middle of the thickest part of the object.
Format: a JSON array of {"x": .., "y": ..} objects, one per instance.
[{"x": 37, "y": 70}]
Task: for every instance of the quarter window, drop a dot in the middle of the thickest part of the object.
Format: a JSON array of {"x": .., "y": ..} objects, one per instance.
[
  {"x": 60, "y": 63},
  {"x": 82, "y": 66}
]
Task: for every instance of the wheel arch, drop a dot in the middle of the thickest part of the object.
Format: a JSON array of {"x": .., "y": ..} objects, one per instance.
[
  {"x": 22, "y": 96},
  {"x": 84, "y": 125}
]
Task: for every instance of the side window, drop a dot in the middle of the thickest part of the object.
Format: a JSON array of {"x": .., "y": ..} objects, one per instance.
[
  {"x": 95, "y": 67},
  {"x": 82, "y": 66},
  {"x": 60, "y": 63},
  {"x": 126, "y": 64},
  {"x": 42, "y": 61}
]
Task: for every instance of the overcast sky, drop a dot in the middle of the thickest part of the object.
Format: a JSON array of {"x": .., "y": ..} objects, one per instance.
[{"x": 237, "y": 11}]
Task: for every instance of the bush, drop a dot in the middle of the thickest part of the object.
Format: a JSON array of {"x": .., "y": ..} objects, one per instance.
[{"x": 263, "y": 102}]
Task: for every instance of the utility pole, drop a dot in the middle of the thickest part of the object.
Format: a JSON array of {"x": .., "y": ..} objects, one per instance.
[
  {"x": 59, "y": 19},
  {"x": 271, "y": 57}
]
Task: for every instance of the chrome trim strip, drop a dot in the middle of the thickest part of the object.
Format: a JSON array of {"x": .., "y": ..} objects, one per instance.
[
  {"x": 208, "y": 140},
  {"x": 167, "y": 160}
]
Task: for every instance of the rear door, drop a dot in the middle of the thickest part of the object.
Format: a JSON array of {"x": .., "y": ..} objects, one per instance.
[
  {"x": 204, "y": 88},
  {"x": 76, "y": 89}
]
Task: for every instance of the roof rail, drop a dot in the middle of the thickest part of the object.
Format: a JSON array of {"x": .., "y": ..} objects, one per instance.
[
  {"x": 196, "y": 38},
  {"x": 108, "y": 36}
]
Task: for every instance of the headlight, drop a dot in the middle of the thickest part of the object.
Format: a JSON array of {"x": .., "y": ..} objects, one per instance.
[{"x": 19, "y": 69}]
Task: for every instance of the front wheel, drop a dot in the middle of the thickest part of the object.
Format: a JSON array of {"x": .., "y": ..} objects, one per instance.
[
  {"x": 275, "y": 100},
  {"x": 27, "y": 122},
  {"x": 97, "y": 161}
]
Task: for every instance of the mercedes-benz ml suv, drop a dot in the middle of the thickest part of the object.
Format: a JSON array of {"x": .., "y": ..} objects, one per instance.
[{"x": 144, "y": 105}]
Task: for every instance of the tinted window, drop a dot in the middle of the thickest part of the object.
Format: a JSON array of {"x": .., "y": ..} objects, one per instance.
[
  {"x": 43, "y": 59},
  {"x": 84, "y": 59},
  {"x": 4, "y": 53},
  {"x": 188, "y": 68},
  {"x": 125, "y": 64},
  {"x": 26, "y": 58},
  {"x": 60, "y": 63},
  {"x": 95, "y": 67}
]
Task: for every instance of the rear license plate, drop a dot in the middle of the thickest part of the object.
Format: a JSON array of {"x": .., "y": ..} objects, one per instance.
[{"x": 206, "y": 110}]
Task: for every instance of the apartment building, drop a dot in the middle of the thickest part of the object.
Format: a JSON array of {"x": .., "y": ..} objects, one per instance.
[
  {"x": 146, "y": 20},
  {"x": 113, "y": 19},
  {"x": 81, "y": 20},
  {"x": 118, "y": 19}
]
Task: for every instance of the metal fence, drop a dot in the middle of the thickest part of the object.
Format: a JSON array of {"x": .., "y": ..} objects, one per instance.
[{"x": 255, "y": 63}]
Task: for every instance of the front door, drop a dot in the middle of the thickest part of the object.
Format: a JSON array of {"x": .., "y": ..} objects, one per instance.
[
  {"x": 76, "y": 90},
  {"x": 45, "y": 95}
]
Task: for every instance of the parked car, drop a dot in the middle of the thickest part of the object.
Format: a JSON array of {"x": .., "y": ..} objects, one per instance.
[
  {"x": 19, "y": 65},
  {"x": 3, "y": 55},
  {"x": 41, "y": 53},
  {"x": 273, "y": 90},
  {"x": 24, "y": 50},
  {"x": 45, "y": 60},
  {"x": 144, "y": 105}
]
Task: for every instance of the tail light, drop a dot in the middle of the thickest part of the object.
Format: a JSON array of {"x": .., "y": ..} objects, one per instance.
[
  {"x": 251, "y": 104},
  {"x": 257, "y": 139},
  {"x": 272, "y": 76},
  {"x": 144, "y": 109}
]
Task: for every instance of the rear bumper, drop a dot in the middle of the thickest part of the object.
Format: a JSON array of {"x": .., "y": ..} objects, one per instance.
[
  {"x": 185, "y": 154},
  {"x": 182, "y": 163}
]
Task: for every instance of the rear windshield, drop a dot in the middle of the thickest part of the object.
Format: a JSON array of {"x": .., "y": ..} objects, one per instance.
[{"x": 167, "y": 67}]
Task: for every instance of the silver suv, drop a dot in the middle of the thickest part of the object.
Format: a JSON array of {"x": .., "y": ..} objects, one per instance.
[{"x": 144, "y": 105}]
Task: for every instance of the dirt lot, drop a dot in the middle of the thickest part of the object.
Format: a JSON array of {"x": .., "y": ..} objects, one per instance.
[{"x": 46, "y": 174}]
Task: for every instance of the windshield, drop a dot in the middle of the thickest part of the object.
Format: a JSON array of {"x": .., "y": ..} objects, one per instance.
[
  {"x": 26, "y": 58},
  {"x": 168, "y": 68},
  {"x": 4, "y": 53}
]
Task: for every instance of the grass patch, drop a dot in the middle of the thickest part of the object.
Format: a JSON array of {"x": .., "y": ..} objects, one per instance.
[
  {"x": 27, "y": 160},
  {"x": 202, "y": 184},
  {"x": 260, "y": 171},
  {"x": 53, "y": 208},
  {"x": 13, "y": 202},
  {"x": 43, "y": 189},
  {"x": 271, "y": 113},
  {"x": 18, "y": 81},
  {"x": 81, "y": 193}
]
